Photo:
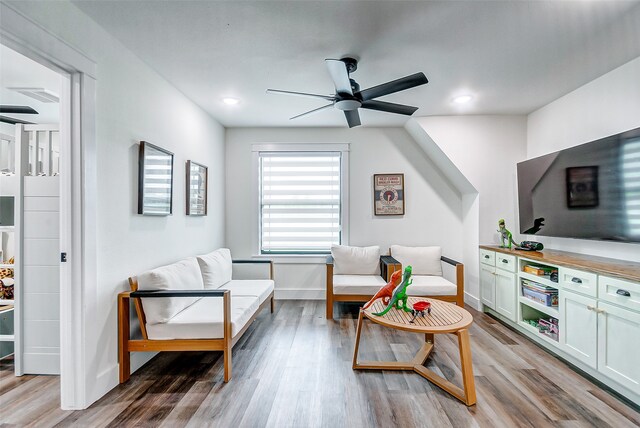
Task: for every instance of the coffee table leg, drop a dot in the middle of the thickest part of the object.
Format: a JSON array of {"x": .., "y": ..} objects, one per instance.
[
  {"x": 355, "y": 351},
  {"x": 467, "y": 368}
]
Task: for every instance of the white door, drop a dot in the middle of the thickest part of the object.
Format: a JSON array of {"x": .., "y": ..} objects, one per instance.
[
  {"x": 619, "y": 345},
  {"x": 578, "y": 327},
  {"x": 506, "y": 295},
  {"x": 488, "y": 285},
  {"x": 41, "y": 276}
]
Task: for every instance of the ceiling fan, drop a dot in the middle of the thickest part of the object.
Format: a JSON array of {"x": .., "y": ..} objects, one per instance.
[
  {"x": 349, "y": 98},
  {"x": 9, "y": 109}
]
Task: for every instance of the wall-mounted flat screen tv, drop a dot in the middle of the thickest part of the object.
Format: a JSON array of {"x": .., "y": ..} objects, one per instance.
[{"x": 590, "y": 191}]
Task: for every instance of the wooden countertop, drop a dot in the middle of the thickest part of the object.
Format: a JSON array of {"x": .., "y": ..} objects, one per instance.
[{"x": 601, "y": 265}]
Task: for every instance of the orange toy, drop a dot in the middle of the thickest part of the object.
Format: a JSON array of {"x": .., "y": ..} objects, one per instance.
[{"x": 385, "y": 292}]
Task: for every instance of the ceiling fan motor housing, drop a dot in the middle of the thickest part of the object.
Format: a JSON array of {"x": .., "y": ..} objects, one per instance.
[{"x": 347, "y": 104}]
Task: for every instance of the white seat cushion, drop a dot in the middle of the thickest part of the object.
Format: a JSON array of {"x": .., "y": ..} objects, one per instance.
[
  {"x": 260, "y": 288},
  {"x": 427, "y": 285},
  {"x": 366, "y": 285},
  {"x": 182, "y": 275},
  {"x": 216, "y": 268},
  {"x": 355, "y": 260},
  {"x": 423, "y": 260},
  {"x": 204, "y": 319}
]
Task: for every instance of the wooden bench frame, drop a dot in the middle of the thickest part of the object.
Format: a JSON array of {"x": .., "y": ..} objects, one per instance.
[
  {"x": 389, "y": 265},
  {"x": 224, "y": 344}
]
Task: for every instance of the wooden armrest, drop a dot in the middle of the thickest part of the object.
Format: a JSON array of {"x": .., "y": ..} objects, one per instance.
[
  {"x": 248, "y": 261},
  {"x": 179, "y": 293},
  {"x": 450, "y": 261},
  {"x": 330, "y": 260},
  {"x": 388, "y": 265}
]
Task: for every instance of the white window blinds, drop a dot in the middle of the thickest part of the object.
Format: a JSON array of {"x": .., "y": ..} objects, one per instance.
[
  {"x": 631, "y": 178},
  {"x": 300, "y": 202}
]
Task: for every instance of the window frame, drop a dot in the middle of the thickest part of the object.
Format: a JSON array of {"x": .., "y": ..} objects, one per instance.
[{"x": 343, "y": 149}]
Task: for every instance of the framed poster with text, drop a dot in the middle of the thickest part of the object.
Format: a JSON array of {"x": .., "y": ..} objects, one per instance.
[{"x": 388, "y": 194}]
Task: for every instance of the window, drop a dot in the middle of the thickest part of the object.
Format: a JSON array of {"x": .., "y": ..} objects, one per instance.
[
  {"x": 631, "y": 178},
  {"x": 301, "y": 200}
]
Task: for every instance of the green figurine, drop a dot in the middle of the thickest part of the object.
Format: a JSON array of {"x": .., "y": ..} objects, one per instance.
[
  {"x": 505, "y": 235},
  {"x": 399, "y": 296}
]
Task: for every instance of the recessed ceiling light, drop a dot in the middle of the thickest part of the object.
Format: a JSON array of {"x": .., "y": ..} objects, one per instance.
[
  {"x": 230, "y": 101},
  {"x": 462, "y": 99}
]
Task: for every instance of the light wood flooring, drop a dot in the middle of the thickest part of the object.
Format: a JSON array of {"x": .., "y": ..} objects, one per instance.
[{"x": 293, "y": 369}]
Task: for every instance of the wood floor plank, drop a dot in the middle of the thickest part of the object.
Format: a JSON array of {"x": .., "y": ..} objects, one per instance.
[{"x": 293, "y": 369}]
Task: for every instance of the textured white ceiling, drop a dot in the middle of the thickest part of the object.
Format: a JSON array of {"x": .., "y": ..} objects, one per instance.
[
  {"x": 514, "y": 57},
  {"x": 17, "y": 70}
]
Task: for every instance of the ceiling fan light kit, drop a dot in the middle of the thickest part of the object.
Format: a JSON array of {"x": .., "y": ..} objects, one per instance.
[{"x": 349, "y": 98}]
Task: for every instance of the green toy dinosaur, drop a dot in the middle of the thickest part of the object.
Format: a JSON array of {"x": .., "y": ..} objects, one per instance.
[
  {"x": 399, "y": 296},
  {"x": 505, "y": 235}
]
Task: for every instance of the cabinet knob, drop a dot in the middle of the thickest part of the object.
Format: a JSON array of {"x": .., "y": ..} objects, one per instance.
[
  {"x": 624, "y": 293},
  {"x": 505, "y": 261},
  {"x": 591, "y": 308},
  {"x": 576, "y": 280},
  {"x": 486, "y": 256}
]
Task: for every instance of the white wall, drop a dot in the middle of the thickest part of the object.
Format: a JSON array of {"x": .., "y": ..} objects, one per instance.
[
  {"x": 485, "y": 149},
  {"x": 134, "y": 103},
  {"x": 433, "y": 206},
  {"x": 605, "y": 106}
]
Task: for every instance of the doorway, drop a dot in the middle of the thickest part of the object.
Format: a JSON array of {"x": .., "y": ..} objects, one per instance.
[{"x": 30, "y": 157}]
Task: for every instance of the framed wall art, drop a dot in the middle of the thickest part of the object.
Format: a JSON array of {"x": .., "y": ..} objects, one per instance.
[
  {"x": 388, "y": 194},
  {"x": 155, "y": 180},
  {"x": 582, "y": 187},
  {"x": 197, "y": 179}
]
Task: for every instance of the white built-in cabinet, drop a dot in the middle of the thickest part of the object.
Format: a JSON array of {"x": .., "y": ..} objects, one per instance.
[{"x": 597, "y": 316}]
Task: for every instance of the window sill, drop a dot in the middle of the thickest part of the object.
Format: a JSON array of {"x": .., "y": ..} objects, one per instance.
[{"x": 307, "y": 259}]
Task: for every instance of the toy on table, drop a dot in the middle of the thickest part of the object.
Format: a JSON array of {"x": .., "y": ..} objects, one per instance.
[
  {"x": 399, "y": 296},
  {"x": 505, "y": 235},
  {"x": 419, "y": 308},
  {"x": 386, "y": 291}
]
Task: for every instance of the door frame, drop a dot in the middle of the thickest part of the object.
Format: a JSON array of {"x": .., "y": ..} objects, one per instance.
[{"x": 78, "y": 286}]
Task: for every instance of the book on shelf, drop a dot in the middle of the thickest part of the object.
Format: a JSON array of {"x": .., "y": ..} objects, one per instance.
[{"x": 539, "y": 270}]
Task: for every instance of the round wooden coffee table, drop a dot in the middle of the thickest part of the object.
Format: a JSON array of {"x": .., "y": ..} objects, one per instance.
[{"x": 444, "y": 318}]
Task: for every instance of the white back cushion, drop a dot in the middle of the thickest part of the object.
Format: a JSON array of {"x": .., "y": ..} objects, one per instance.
[
  {"x": 423, "y": 260},
  {"x": 216, "y": 268},
  {"x": 183, "y": 275},
  {"x": 355, "y": 260}
]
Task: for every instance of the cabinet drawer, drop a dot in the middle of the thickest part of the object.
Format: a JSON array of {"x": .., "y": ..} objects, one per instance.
[
  {"x": 488, "y": 257},
  {"x": 578, "y": 281},
  {"x": 619, "y": 292},
  {"x": 506, "y": 262}
]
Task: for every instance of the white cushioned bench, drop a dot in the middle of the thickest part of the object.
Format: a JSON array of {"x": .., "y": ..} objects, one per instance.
[
  {"x": 355, "y": 274},
  {"x": 192, "y": 305}
]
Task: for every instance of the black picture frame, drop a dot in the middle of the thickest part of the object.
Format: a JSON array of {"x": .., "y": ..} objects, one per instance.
[
  {"x": 582, "y": 187},
  {"x": 197, "y": 181},
  {"x": 155, "y": 172},
  {"x": 388, "y": 194}
]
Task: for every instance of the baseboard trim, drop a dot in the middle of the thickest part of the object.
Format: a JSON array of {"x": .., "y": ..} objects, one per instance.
[
  {"x": 105, "y": 382},
  {"x": 299, "y": 294},
  {"x": 472, "y": 301}
]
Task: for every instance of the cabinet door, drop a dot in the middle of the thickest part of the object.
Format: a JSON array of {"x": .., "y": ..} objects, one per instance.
[
  {"x": 619, "y": 345},
  {"x": 506, "y": 296},
  {"x": 578, "y": 327},
  {"x": 488, "y": 286}
]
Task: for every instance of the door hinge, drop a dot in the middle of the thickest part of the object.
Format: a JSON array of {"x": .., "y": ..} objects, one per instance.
[{"x": 63, "y": 257}]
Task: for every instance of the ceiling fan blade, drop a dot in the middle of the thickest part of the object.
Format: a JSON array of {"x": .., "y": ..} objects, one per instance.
[
  {"x": 394, "y": 86},
  {"x": 17, "y": 109},
  {"x": 339, "y": 75},
  {"x": 353, "y": 118},
  {"x": 12, "y": 121},
  {"x": 389, "y": 107},
  {"x": 301, "y": 94},
  {"x": 312, "y": 111}
]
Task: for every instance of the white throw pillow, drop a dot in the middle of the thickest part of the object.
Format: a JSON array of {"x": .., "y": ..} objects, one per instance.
[
  {"x": 216, "y": 268},
  {"x": 355, "y": 260},
  {"x": 183, "y": 275},
  {"x": 423, "y": 260}
]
